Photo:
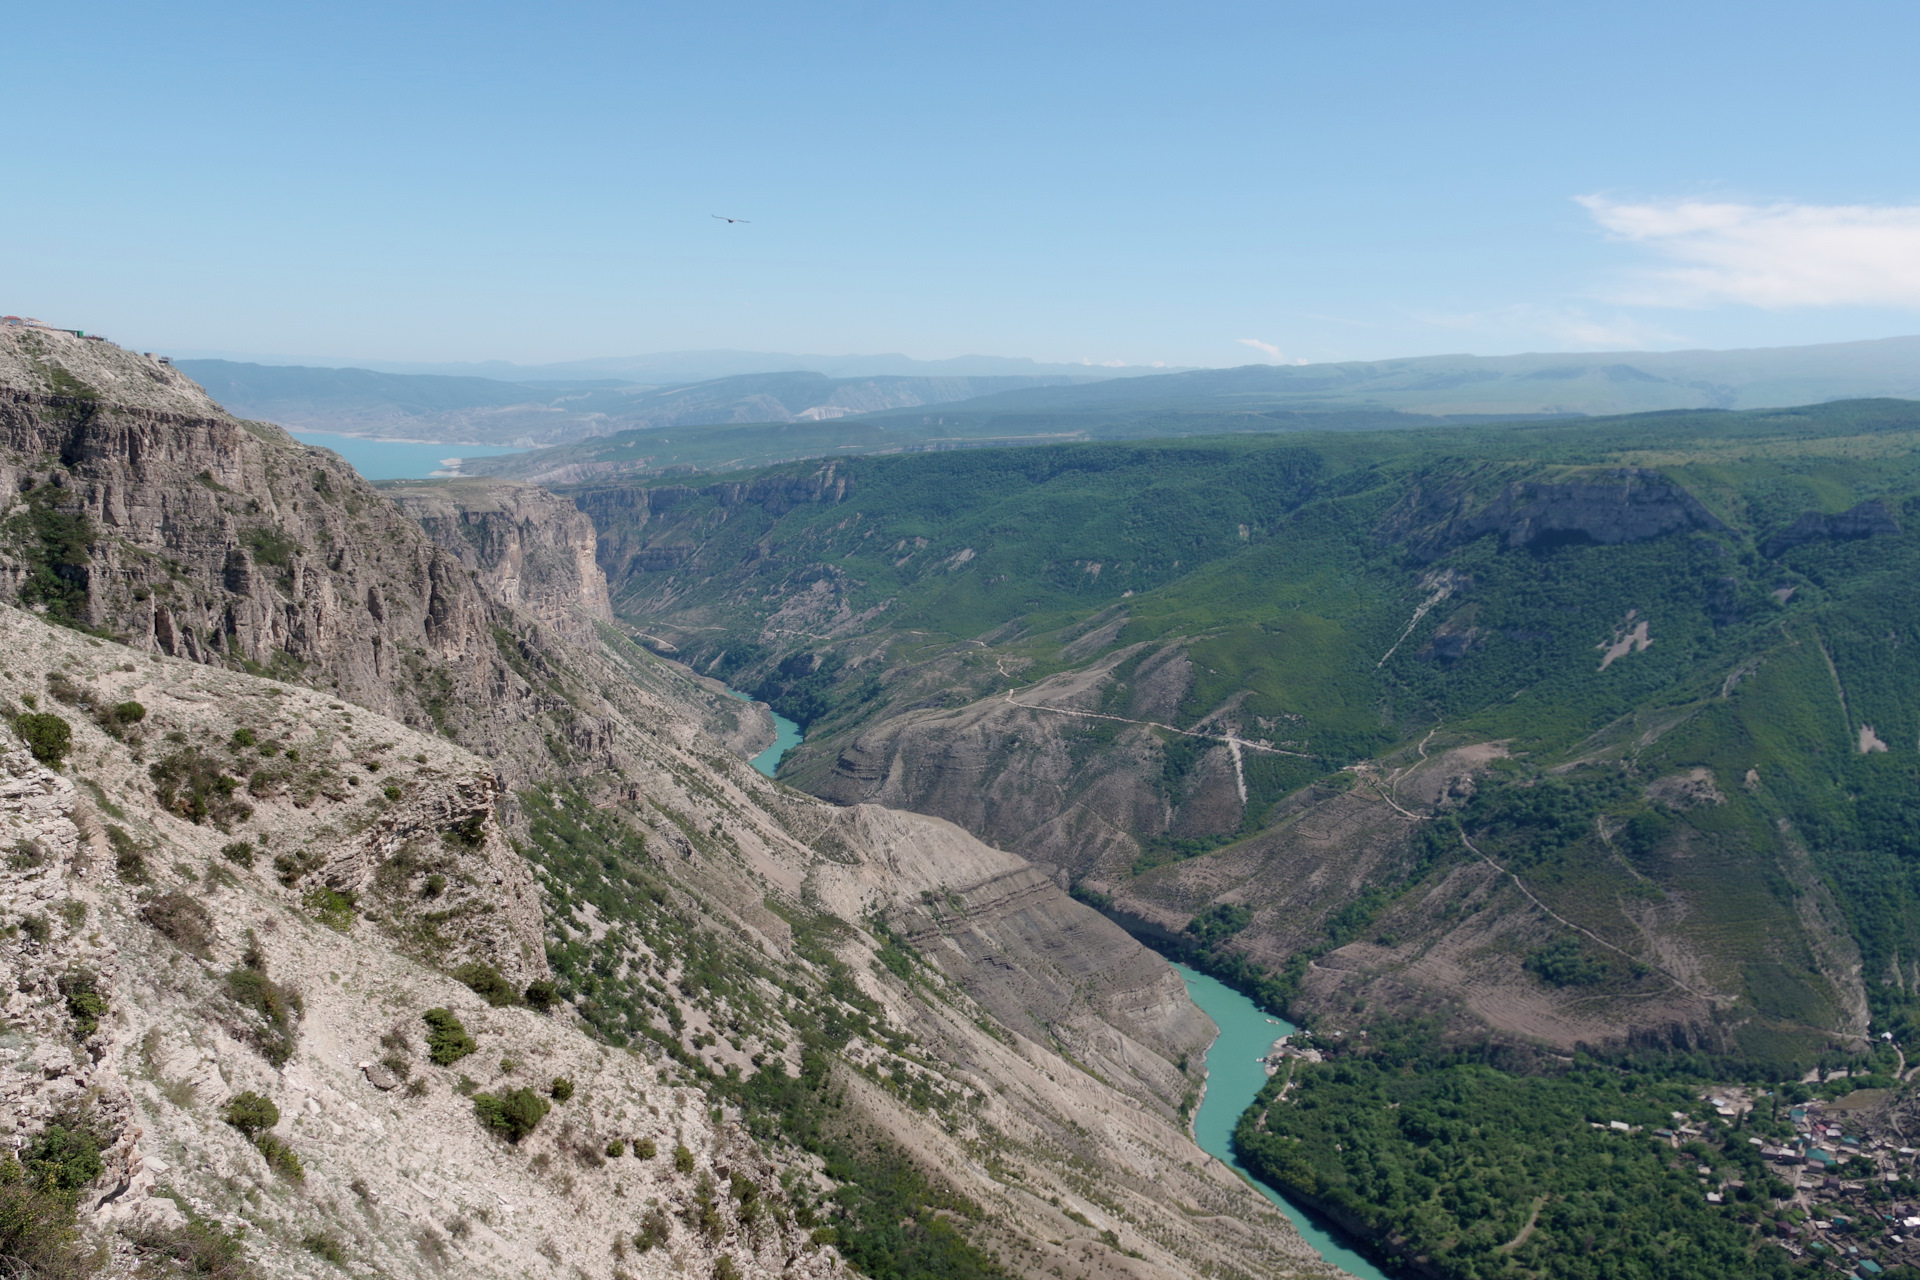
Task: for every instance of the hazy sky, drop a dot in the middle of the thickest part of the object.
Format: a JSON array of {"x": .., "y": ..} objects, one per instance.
[{"x": 1195, "y": 184}]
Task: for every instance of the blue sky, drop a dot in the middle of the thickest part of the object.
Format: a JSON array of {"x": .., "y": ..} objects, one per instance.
[{"x": 1113, "y": 182}]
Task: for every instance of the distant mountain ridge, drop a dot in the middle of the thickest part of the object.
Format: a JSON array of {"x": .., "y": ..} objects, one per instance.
[
  {"x": 704, "y": 366},
  {"x": 1534, "y": 384},
  {"x": 368, "y": 402}
]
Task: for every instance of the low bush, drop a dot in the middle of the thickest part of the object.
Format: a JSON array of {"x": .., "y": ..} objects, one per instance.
[
  {"x": 38, "y": 1235},
  {"x": 47, "y": 735},
  {"x": 330, "y": 907},
  {"x": 654, "y": 1232},
  {"x": 561, "y": 1089},
  {"x": 488, "y": 983},
  {"x": 85, "y": 1004},
  {"x": 193, "y": 785},
  {"x": 542, "y": 994},
  {"x": 199, "y": 1248},
  {"x": 513, "y": 1114},
  {"x": 278, "y": 1008},
  {"x": 447, "y": 1038},
  {"x": 129, "y": 859},
  {"x": 250, "y": 1113}
]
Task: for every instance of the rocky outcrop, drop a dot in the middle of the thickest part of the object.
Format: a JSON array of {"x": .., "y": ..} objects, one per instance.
[
  {"x": 1867, "y": 520},
  {"x": 621, "y": 513},
  {"x": 531, "y": 550},
  {"x": 1046, "y": 966},
  {"x": 1623, "y": 504},
  {"x": 1064, "y": 772},
  {"x": 58, "y": 1053}
]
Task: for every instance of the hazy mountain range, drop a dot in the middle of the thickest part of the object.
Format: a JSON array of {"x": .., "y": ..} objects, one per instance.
[
  {"x": 416, "y": 406},
  {"x": 983, "y": 397}
]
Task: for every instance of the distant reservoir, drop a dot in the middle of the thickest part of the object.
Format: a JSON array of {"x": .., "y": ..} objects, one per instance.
[{"x": 400, "y": 459}]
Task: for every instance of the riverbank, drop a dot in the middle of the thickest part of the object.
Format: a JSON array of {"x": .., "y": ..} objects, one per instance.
[
  {"x": 1235, "y": 1073},
  {"x": 786, "y": 736}
]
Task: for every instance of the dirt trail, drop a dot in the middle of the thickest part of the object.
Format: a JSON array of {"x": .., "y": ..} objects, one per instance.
[
  {"x": 1526, "y": 1232},
  {"x": 1235, "y": 743},
  {"x": 1519, "y": 884}
]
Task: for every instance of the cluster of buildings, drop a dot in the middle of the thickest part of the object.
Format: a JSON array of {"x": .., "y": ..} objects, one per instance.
[
  {"x": 1852, "y": 1207},
  {"x": 28, "y": 322}
]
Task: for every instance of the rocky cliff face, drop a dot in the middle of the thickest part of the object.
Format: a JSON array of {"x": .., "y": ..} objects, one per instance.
[
  {"x": 532, "y": 551},
  {"x": 1623, "y": 504},
  {"x": 621, "y": 513},
  {"x": 1867, "y": 520}
]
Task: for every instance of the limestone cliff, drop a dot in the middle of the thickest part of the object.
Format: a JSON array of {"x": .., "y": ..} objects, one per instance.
[
  {"x": 1621, "y": 504},
  {"x": 532, "y": 551}
]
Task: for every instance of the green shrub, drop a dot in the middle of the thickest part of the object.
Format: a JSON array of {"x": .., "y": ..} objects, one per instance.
[
  {"x": 331, "y": 907},
  {"x": 561, "y": 1089},
  {"x": 47, "y": 735},
  {"x": 644, "y": 1149},
  {"x": 38, "y": 1236},
  {"x": 38, "y": 928},
  {"x": 63, "y": 1157},
  {"x": 239, "y": 852},
  {"x": 513, "y": 1114},
  {"x": 250, "y": 1113},
  {"x": 542, "y": 994},
  {"x": 682, "y": 1160},
  {"x": 278, "y": 1007},
  {"x": 280, "y": 1158},
  {"x": 723, "y": 1268},
  {"x": 616, "y": 1148},
  {"x": 85, "y": 1005},
  {"x": 654, "y": 1232},
  {"x": 129, "y": 860},
  {"x": 199, "y": 1248},
  {"x": 195, "y": 786},
  {"x": 324, "y": 1244},
  {"x": 447, "y": 1038},
  {"x": 487, "y": 983}
]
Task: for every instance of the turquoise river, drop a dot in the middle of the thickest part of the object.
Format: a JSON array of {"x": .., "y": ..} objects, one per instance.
[
  {"x": 1234, "y": 1069},
  {"x": 1234, "y": 1075},
  {"x": 786, "y": 736}
]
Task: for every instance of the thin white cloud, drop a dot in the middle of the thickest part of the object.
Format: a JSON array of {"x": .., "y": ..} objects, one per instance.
[
  {"x": 1774, "y": 256},
  {"x": 1267, "y": 349}
]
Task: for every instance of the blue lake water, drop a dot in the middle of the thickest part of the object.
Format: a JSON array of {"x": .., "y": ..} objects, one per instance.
[
  {"x": 786, "y": 736},
  {"x": 1234, "y": 1075},
  {"x": 399, "y": 459}
]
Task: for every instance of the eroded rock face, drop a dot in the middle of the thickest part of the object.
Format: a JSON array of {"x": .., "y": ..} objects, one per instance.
[
  {"x": 621, "y": 513},
  {"x": 534, "y": 552},
  {"x": 1867, "y": 520},
  {"x": 59, "y": 1048},
  {"x": 1625, "y": 504}
]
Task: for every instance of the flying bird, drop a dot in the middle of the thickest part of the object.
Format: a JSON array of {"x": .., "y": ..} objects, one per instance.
[{"x": 723, "y": 217}]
